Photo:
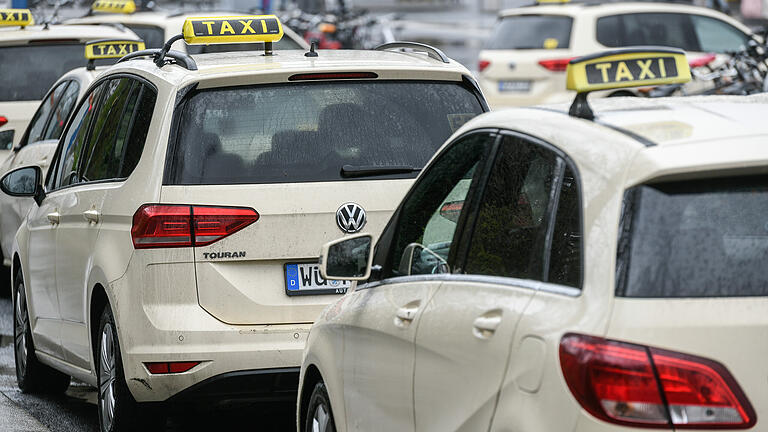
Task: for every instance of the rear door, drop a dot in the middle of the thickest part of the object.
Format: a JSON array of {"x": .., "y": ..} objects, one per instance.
[
  {"x": 692, "y": 279},
  {"x": 316, "y": 161},
  {"x": 466, "y": 333}
]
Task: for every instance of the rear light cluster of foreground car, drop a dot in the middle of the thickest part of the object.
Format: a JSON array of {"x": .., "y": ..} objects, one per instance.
[
  {"x": 166, "y": 226},
  {"x": 640, "y": 386}
]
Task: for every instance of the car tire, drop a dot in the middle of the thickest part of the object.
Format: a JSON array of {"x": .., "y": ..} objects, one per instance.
[
  {"x": 118, "y": 410},
  {"x": 319, "y": 413},
  {"x": 31, "y": 375}
]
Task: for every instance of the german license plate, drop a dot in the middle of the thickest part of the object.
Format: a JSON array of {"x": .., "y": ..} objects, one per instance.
[
  {"x": 305, "y": 279},
  {"x": 515, "y": 86}
]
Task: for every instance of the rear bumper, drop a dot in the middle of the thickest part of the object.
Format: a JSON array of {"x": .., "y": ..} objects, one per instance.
[{"x": 263, "y": 385}]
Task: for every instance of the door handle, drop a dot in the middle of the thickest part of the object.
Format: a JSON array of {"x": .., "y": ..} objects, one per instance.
[
  {"x": 485, "y": 325},
  {"x": 406, "y": 313},
  {"x": 91, "y": 215},
  {"x": 53, "y": 217}
]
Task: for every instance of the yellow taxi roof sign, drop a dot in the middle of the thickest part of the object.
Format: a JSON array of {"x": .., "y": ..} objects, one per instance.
[
  {"x": 114, "y": 6},
  {"x": 230, "y": 29},
  {"x": 16, "y": 17},
  {"x": 628, "y": 67},
  {"x": 104, "y": 49}
]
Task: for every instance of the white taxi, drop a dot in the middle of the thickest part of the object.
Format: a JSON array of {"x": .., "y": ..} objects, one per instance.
[
  {"x": 172, "y": 253},
  {"x": 33, "y": 58},
  {"x": 602, "y": 271},
  {"x": 39, "y": 141},
  {"x": 157, "y": 26},
  {"x": 524, "y": 60}
]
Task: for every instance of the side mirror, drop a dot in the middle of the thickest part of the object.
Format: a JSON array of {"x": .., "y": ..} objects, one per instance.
[
  {"x": 348, "y": 258},
  {"x": 24, "y": 182}
]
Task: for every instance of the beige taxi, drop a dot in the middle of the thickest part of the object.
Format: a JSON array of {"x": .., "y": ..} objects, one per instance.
[
  {"x": 524, "y": 60},
  {"x": 155, "y": 27},
  {"x": 172, "y": 253},
  {"x": 33, "y": 58},
  {"x": 601, "y": 271},
  {"x": 40, "y": 139}
]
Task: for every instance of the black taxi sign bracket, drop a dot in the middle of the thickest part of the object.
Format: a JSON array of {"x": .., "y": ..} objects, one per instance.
[
  {"x": 16, "y": 17},
  {"x": 114, "y": 6},
  {"x": 624, "y": 68}
]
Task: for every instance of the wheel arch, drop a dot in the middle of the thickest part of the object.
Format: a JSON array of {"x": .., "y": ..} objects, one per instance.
[
  {"x": 312, "y": 376},
  {"x": 96, "y": 305}
]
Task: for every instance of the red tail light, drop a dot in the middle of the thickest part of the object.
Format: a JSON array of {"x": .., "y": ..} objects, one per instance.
[
  {"x": 635, "y": 385},
  {"x": 555, "y": 65},
  {"x": 158, "y": 368},
  {"x": 163, "y": 226},
  {"x": 332, "y": 76},
  {"x": 482, "y": 65},
  {"x": 3, "y": 120},
  {"x": 702, "y": 61}
]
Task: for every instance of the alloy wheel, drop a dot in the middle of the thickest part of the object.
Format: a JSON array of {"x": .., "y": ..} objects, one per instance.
[
  {"x": 20, "y": 330},
  {"x": 107, "y": 377},
  {"x": 320, "y": 419}
]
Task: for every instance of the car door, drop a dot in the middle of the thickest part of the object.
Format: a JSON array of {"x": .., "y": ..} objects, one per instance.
[
  {"x": 381, "y": 320},
  {"x": 80, "y": 214},
  {"x": 43, "y": 222},
  {"x": 465, "y": 336}
]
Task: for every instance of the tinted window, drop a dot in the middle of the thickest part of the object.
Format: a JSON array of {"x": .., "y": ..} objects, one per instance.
[
  {"x": 74, "y": 140},
  {"x": 704, "y": 238},
  {"x": 532, "y": 32},
  {"x": 153, "y": 36},
  {"x": 40, "y": 119},
  {"x": 285, "y": 43},
  {"x": 428, "y": 218},
  {"x": 565, "y": 257},
  {"x": 139, "y": 127},
  {"x": 62, "y": 111},
  {"x": 716, "y": 36},
  {"x": 308, "y": 132},
  {"x": 110, "y": 126},
  {"x": 21, "y": 77},
  {"x": 509, "y": 237},
  {"x": 660, "y": 29}
]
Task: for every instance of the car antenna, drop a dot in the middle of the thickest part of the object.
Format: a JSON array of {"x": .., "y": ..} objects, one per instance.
[{"x": 312, "y": 48}]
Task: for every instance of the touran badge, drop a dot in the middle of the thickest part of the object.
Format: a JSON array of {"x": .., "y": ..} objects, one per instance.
[{"x": 350, "y": 218}]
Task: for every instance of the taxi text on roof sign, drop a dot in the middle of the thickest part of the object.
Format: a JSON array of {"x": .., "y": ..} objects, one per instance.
[
  {"x": 255, "y": 28},
  {"x": 16, "y": 17},
  {"x": 631, "y": 67},
  {"x": 116, "y": 6},
  {"x": 103, "y": 49}
]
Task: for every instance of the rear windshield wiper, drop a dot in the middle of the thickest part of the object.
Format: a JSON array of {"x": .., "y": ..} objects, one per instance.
[{"x": 348, "y": 171}]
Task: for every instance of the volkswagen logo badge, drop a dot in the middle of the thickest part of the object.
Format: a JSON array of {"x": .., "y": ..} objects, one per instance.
[{"x": 350, "y": 218}]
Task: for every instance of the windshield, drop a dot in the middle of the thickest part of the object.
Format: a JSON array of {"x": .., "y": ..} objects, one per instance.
[
  {"x": 28, "y": 71},
  {"x": 531, "y": 32},
  {"x": 309, "y": 132},
  {"x": 153, "y": 36},
  {"x": 695, "y": 239}
]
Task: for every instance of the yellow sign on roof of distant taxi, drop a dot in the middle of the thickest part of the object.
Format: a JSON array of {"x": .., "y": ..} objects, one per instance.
[
  {"x": 104, "y": 49},
  {"x": 16, "y": 17},
  {"x": 229, "y": 29},
  {"x": 114, "y": 6}
]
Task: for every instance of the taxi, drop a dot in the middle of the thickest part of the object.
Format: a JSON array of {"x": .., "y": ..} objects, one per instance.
[
  {"x": 594, "y": 268},
  {"x": 155, "y": 27},
  {"x": 33, "y": 58},
  {"x": 524, "y": 60},
  {"x": 187, "y": 202},
  {"x": 39, "y": 141}
]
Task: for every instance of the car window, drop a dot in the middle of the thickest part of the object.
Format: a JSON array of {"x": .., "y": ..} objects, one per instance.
[
  {"x": 531, "y": 32},
  {"x": 429, "y": 216},
  {"x": 74, "y": 139},
  {"x": 40, "y": 119},
  {"x": 717, "y": 36},
  {"x": 658, "y": 29},
  {"x": 285, "y": 43},
  {"x": 153, "y": 36},
  {"x": 308, "y": 132},
  {"x": 131, "y": 149},
  {"x": 565, "y": 257},
  {"x": 63, "y": 110},
  {"x": 109, "y": 126},
  {"x": 697, "y": 238}
]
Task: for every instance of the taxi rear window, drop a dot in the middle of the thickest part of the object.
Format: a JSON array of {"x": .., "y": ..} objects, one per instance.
[
  {"x": 315, "y": 131},
  {"x": 28, "y": 71},
  {"x": 531, "y": 32},
  {"x": 285, "y": 43},
  {"x": 703, "y": 238}
]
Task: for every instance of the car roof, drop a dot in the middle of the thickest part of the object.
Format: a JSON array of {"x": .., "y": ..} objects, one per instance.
[
  {"x": 225, "y": 68},
  {"x": 639, "y": 140},
  {"x": 82, "y": 33},
  {"x": 597, "y": 8}
]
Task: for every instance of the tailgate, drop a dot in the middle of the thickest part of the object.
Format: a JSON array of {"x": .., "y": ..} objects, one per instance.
[{"x": 241, "y": 279}]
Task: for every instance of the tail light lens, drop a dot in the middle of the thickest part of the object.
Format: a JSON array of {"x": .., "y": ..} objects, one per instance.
[
  {"x": 635, "y": 385},
  {"x": 3, "y": 120},
  {"x": 555, "y": 65},
  {"x": 165, "y": 226},
  {"x": 483, "y": 65}
]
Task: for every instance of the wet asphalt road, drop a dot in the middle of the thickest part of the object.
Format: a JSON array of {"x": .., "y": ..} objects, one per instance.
[{"x": 76, "y": 410}]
